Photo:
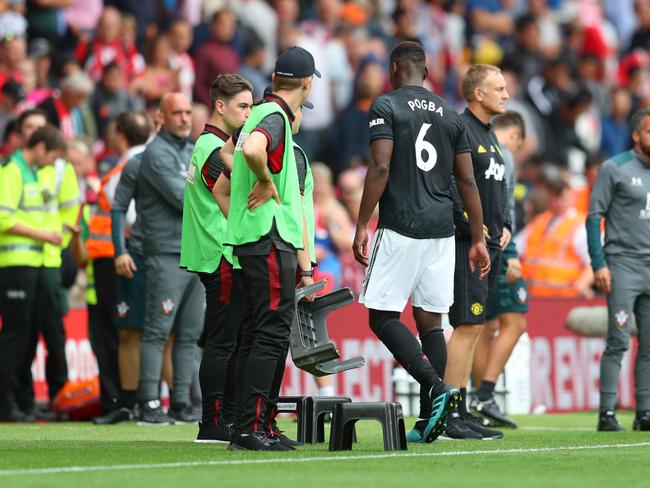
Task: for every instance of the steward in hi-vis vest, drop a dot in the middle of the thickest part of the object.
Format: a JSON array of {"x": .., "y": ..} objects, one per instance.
[{"x": 22, "y": 238}]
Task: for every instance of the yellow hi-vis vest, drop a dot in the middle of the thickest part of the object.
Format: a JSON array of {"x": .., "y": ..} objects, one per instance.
[
  {"x": 61, "y": 197},
  {"x": 21, "y": 201}
]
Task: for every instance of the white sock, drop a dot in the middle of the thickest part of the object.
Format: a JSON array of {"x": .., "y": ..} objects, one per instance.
[{"x": 326, "y": 391}]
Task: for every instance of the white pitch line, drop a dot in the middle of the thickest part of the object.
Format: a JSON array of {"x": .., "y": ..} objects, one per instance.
[
  {"x": 562, "y": 429},
  {"x": 238, "y": 462}
]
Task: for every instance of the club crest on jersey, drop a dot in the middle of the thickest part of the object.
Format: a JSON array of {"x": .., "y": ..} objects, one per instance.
[
  {"x": 122, "y": 309},
  {"x": 167, "y": 306},
  {"x": 481, "y": 149},
  {"x": 522, "y": 295},
  {"x": 476, "y": 309},
  {"x": 621, "y": 318}
]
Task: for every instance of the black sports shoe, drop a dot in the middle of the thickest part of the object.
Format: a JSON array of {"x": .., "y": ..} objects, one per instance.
[
  {"x": 185, "y": 415},
  {"x": 446, "y": 399},
  {"x": 607, "y": 422},
  {"x": 257, "y": 441},
  {"x": 476, "y": 424},
  {"x": 115, "y": 416},
  {"x": 14, "y": 415},
  {"x": 153, "y": 414},
  {"x": 642, "y": 423},
  {"x": 456, "y": 430},
  {"x": 277, "y": 436},
  {"x": 209, "y": 434},
  {"x": 490, "y": 409},
  {"x": 36, "y": 414}
]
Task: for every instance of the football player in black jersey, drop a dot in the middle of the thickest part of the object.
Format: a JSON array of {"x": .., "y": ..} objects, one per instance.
[
  {"x": 417, "y": 141},
  {"x": 484, "y": 88}
]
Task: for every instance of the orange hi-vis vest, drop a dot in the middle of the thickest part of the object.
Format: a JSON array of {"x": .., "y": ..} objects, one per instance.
[
  {"x": 100, "y": 242},
  {"x": 550, "y": 263}
]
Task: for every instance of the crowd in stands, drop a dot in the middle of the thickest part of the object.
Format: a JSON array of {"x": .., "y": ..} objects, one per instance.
[{"x": 575, "y": 70}]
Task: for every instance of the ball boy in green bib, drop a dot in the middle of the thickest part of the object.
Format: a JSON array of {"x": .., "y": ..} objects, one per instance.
[{"x": 203, "y": 252}]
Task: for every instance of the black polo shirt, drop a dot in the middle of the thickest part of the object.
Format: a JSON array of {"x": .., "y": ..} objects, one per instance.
[{"x": 489, "y": 173}]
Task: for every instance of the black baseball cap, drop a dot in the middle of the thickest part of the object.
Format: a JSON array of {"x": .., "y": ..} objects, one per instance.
[{"x": 296, "y": 62}]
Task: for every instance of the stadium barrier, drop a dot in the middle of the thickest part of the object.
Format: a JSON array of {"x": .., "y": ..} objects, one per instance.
[{"x": 560, "y": 375}]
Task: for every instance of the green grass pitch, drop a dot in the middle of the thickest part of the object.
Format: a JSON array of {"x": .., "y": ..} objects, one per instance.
[{"x": 546, "y": 451}]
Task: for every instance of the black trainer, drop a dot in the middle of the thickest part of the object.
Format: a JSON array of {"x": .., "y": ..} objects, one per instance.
[
  {"x": 607, "y": 422},
  {"x": 456, "y": 430},
  {"x": 36, "y": 414},
  {"x": 116, "y": 416},
  {"x": 209, "y": 434},
  {"x": 278, "y": 436},
  {"x": 476, "y": 424},
  {"x": 490, "y": 410},
  {"x": 14, "y": 415},
  {"x": 185, "y": 415},
  {"x": 642, "y": 423},
  {"x": 257, "y": 441},
  {"x": 153, "y": 415}
]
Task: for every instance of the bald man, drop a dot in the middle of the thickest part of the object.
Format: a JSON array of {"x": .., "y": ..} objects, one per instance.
[{"x": 174, "y": 297}]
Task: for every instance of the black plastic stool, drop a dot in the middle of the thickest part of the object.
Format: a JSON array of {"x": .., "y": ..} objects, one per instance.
[
  {"x": 388, "y": 414},
  {"x": 321, "y": 406},
  {"x": 299, "y": 405},
  {"x": 310, "y": 413}
]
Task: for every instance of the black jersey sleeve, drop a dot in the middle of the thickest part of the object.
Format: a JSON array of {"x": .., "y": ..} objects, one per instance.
[{"x": 380, "y": 119}]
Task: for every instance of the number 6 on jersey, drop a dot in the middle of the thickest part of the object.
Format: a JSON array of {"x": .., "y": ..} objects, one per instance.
[{"x": 425, "y": 146}]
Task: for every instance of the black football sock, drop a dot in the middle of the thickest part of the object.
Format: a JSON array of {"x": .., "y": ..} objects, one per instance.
[
  {"x": 128, "y": 398},
  {"x": 485, "y": 391},
  {"x": 434, "y": 347},
  {"x": 407, "y": 351},
  {"x": 462, "y": 408}
]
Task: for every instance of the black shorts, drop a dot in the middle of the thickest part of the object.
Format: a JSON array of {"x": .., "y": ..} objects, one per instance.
[
  {"x": 130, "y": 297},
  {"x": 471, "y": 293}
]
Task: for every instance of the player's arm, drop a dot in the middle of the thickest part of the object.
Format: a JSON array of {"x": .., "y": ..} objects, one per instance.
[
  {"x": 256, "y": 156},
  {"x": 464, "y": 173},
  {"x": 221, "y": 193},
  {"x": 599, "y": 202},
  {"x": 304, "y": 260},
  {"x": 228, "y": 153},
  {"x": 381, "y": 152}
]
